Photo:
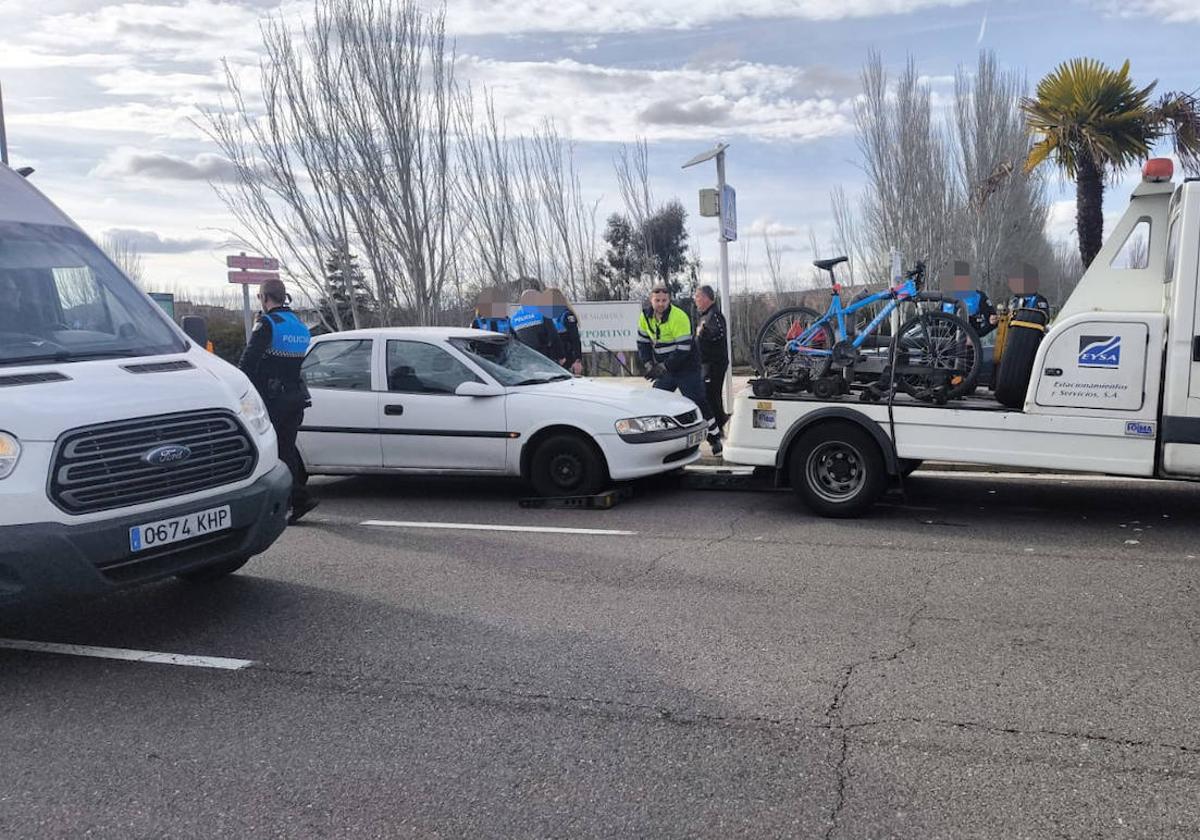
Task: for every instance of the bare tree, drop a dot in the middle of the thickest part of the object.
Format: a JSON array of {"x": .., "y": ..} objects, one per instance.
[
  {"x": 350, "y": 148},
  {"x": 911, "y": 198},
  {"x": 774, "y": 261},
  {"x": 1005, "y": 209},
  {"x": 127, "y": 257}
]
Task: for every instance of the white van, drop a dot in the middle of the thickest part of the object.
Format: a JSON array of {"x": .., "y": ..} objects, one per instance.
[{"x": 127, "y": 452}]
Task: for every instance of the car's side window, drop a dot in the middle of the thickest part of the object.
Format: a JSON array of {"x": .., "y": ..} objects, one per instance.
[
  {"x": 416, "y": 367},
  {"x": 344, "y": 365}
]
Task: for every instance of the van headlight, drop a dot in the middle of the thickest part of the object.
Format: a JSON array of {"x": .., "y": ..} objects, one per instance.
[
  {"x": 642, "y": 425},
  {"x": 254, "y": 410},
  {"x": 10, "y": 453}
]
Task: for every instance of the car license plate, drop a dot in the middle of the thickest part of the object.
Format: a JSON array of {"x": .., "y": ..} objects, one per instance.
[
  {"x": 179, "y": 528},
  {"x": 695, "y": 437}
]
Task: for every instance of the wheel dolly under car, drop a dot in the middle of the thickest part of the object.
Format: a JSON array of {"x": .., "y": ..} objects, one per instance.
[{"x": 1114, "y": 387}]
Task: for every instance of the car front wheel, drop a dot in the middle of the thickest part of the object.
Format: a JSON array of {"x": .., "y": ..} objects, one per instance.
[{"x": 566, "y": 465}]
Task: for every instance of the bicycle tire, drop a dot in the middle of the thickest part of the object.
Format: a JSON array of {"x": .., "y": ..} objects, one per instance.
[
  {"x": 949, "y": 332},
  {"x": 770, "y": 356}
]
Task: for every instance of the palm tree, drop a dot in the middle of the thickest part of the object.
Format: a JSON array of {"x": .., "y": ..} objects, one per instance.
[{"x": 1094, "y": 122}]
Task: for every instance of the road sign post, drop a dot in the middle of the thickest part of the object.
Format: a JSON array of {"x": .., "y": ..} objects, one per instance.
[
  {"x": 252, "y": 271},
  {"x": 726, "y": 233}
]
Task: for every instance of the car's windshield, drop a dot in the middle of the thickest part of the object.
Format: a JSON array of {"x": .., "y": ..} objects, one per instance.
[
  {"x": 61, "y": 300},
  {"x": 510, "y": 361}
]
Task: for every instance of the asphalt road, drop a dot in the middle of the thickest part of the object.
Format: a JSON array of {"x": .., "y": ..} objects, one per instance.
[{"x": 988, "y": 657}]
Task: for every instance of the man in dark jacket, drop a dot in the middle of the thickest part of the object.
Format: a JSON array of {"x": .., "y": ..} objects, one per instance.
[
  {"x": 566, "y": 322},
  {"x": 272, "y": 362},
  {"x": 714, "y": 353},
  {"x": 533, "y": 329}
]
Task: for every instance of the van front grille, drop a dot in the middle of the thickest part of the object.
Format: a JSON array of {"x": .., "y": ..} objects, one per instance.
[{"x": 109, "y": 465}]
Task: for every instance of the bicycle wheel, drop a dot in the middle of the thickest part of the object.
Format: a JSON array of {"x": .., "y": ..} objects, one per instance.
[
  {"x": 773, "y": 359},
  {"x": 945, "y": 346}
]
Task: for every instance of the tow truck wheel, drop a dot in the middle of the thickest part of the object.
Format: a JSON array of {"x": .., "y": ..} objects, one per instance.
[
  {"x": 207, "y": 574},
  {"x": 837, "y": 470}
]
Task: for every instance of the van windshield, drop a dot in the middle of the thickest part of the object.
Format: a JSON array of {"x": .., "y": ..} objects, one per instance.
[{"x": 61, "y": 300}]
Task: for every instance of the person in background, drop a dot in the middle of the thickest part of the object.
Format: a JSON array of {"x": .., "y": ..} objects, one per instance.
[
  {"x": 272, "y": 362},
  {"x": 980, "y": 312},
  {"x": 567, "y": 323},
  {"x": 491, "y": 313},
  {"x": 714, "y": 353},
  {"x": 667, "y": 350},
  {"x": 533, "y": 329},
  {"x": 1024, "y": 287}
]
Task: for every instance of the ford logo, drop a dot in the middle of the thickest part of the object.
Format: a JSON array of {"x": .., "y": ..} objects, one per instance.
[{"x": 163, "y": 456}]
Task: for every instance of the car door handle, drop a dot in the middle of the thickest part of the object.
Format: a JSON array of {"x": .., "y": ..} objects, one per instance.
[{"x": 393, "y": 410}]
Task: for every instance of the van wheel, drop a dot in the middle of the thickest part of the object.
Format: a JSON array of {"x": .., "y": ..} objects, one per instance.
[
  {"x": 566, "y": 465},
  {"x": 837, "y": 470},
  {"x": 207, "y": 574},
  {"x": 1016, "y": 365}
]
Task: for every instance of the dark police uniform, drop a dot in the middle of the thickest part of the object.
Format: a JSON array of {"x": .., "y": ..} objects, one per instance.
[
  {"x": 272, "y": 361},
  {"x": 714, "y": 359},
  {"x": 567, "y": 325},
  {"x": 498, "y": 325},
  {"x": 979, "y": 310},
  {"x": 535, "y": 330}
]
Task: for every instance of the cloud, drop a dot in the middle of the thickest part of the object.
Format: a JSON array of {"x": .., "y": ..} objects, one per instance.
[
  {"x": 149, "y": 242},
  {"x": 1170, "y": 11},
  {"x": 127, "y": 118},
  {"x": 27, "y": 57},
  {"x": 132, "y": 163},
  {"x": 599, "y": 103},
  {"x": 769, "y": 227},
  {"x": 480, "y": 17},
  {"x": 177, "y": 87}
]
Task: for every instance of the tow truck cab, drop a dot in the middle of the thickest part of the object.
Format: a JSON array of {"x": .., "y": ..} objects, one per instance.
[
  {"x": 127, "y": 452},
  {"x": 1115, "y": 387}
]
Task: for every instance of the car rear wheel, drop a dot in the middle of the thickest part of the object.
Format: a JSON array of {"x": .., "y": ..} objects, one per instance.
[{"x": 566, "y": 465}]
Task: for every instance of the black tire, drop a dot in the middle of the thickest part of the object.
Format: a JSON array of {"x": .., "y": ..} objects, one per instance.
[
  {"x": 1016, "y": 365},
  {"x": 908, "y": 466},
  {"x": 771, "y": 359},
  {"x": 943, "y": 343},
  {"x": 837, "y": 470},
  {"x": 566, "y": 465},
  {"x": 208, "y": 574},
  {"x": 763, "y": 388}
]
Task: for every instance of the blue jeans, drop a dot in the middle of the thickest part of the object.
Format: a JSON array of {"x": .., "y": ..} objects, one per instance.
[{"x": 691, "y": 384}]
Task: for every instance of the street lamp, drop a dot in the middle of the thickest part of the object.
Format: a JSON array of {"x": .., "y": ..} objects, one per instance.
[{"x": 726, "y": 233}]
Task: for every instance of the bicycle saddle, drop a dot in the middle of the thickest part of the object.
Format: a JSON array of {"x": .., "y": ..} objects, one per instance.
[{"x": 828, "y": 265}]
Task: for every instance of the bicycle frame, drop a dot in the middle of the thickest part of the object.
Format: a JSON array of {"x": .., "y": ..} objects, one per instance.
[{"x": 837, "y": 314}]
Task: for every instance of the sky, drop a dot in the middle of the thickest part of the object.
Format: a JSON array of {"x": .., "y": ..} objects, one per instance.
[{"x": 100, "y": 98}]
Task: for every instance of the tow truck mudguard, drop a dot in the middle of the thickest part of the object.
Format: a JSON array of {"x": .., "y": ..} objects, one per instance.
[{"x": 890, "y": 461}]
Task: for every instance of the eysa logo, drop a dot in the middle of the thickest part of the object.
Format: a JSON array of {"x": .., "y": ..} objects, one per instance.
[{"x": 1100, "y": 351}]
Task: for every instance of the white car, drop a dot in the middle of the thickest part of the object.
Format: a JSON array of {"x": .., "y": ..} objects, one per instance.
[{"x": 461, "y": 401}]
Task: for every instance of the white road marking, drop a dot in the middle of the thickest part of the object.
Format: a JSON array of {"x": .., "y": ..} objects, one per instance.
[
  {"x": 468, "y": 526},
  {"x": 127, "y": 655}
]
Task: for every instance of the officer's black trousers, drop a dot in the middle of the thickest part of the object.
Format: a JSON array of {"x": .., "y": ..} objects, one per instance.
[
  {"x": 286, "y": 417},
  {"x": 714, "y": 390}
]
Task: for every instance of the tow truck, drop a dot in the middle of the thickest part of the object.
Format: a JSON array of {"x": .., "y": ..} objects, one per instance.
[{"x": 1114, "y": 387}]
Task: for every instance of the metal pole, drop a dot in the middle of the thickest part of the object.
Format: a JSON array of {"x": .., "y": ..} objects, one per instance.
[
  {"x": 246, "y": 306},
  {"x": 3, "y": 135},
  {"x": 725, "y": 297}
]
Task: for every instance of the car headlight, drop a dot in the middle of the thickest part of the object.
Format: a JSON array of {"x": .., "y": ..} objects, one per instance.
[
  {"x": 10, "y": 453},
  {"x": 641, "y": 425},
  {"x": 255, "y": 412}
]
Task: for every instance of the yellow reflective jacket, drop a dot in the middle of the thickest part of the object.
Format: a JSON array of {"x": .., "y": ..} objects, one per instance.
[{"x": 668, "y": 340}]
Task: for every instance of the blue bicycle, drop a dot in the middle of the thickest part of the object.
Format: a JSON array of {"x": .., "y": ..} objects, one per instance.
[{"x": 937, "y": 355}]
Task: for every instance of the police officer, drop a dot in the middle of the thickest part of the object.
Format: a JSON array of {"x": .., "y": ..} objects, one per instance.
[
  {"x": 566, "y": 322},
  {"x": 714, "y": 354},
  {"x": 533, "y": 329},
  {"x": 272, "y": 361},
  {"x": 666, "y": 348}
]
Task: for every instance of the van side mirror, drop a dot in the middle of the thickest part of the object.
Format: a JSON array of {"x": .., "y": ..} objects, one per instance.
[
  {"x": 196, "y": 329},
  {"x": 478, "y": 389}
]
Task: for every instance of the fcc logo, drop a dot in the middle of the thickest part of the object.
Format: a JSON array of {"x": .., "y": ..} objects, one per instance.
[{"x": 1100, "y": 351}]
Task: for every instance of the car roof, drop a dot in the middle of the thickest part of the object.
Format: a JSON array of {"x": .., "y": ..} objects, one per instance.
[{"x": 420, "y": 333}]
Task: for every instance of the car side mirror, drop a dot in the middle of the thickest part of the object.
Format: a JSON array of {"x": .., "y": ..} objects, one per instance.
[{"x": 478, "y": 389}]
